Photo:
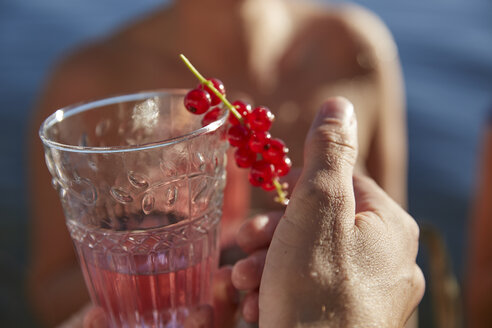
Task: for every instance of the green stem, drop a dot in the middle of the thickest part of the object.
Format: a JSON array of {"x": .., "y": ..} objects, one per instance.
[
  {"x": 282, "y": 195},
  {"x": 210, "y": 85}
]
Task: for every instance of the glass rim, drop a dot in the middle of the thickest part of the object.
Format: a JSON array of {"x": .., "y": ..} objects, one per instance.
[{"x": 75, "y": 109}]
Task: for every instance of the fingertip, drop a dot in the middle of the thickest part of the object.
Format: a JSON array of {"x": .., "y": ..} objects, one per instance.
[
  {"x": 337, "y": 108},
  {"x": 245, "y": 237},
  {"x": 331, "y": 143},
  {"x": 257, "y": 232},
  {"x": 246, "y": 273},
  {"x": 250, "y": 308},
  {"x": 240, "y": 274}
]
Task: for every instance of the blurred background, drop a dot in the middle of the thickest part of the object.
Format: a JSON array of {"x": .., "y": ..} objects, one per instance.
[{"x": 446, "y": 52}]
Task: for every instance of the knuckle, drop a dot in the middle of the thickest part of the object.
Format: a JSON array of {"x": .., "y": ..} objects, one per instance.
[
  {"x": 410, "y": 226},
  {"x": 414, "y": 229},
  {"x": 323, "y": 189},
  {"x": 419, "y": 281},
  {"x": 336, "y": 141}
]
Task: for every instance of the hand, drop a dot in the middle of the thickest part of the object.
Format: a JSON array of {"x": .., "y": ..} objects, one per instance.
[
  {"x": 88, "y": 317},
  {"x": 221, "y": 315},
  {"x": 343, "y": 254}
]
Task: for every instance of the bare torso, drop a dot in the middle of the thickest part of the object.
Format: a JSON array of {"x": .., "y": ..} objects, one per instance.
[{"x": 319, "y": 56}]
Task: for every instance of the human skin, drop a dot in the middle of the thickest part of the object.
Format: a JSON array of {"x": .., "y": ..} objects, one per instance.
[
  {"x": 343, "y": 253},
  {"x": 290, "y": 59}
]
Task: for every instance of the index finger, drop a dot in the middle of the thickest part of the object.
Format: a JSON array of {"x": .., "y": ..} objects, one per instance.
[{"x": 258, "y": 231}]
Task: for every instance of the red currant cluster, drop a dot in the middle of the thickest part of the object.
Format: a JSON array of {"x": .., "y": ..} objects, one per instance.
[
  {"x": 248, "y": 131},
  {"x": 266, "y": 156},
  {"x": 201, "y": 99}
]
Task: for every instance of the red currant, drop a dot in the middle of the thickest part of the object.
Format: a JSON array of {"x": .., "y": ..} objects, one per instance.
[
  {"x": 217, "y": 85},
  {"x": 265, "y": 156},
  {"x": 197, "y": 101},
  {"x": 261, "y": 173},
  {"x": 274, "y": 150},
  {"x": 260, "y": 119},
  {"x": 244, "y": 157},
  {"x": 268, "y": 186},
  {"x": 253, "y": 180},
  {"x": 283, "y": 167},
  {"x": 211, "y": 116},
  {"x": 238, "y": 135},
  {"x": 258, "y": 140},
  {"x": 243, "y": 109}
]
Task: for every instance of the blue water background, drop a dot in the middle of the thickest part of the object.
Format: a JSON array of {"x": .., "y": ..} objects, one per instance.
[{"x": 446, "y": 53}]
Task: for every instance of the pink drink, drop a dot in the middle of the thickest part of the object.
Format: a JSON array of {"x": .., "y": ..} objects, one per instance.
[
  {"x": 148, "y": 278},
  {"x": 141, "y": 182}
]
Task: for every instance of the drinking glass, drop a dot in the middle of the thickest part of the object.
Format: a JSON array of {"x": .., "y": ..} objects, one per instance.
[{"x": 141, "y": 183}]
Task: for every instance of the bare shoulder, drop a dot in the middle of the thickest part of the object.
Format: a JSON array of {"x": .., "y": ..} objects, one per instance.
[
  {"x": 113, "y": 57},
  {"x": 367, "y": 28},
  {"x": 81, "y": 75},
  {"x": 110, "y": 66},
  {"x": 354, "y": 28}
]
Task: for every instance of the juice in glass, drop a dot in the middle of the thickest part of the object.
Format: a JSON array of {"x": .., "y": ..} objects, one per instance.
[{"x": 141, "y": 183}]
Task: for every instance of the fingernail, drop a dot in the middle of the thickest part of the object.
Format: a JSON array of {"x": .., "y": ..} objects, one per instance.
[
  {"x": 337, "y": 108},
  {"x": 243, "y": 272}
]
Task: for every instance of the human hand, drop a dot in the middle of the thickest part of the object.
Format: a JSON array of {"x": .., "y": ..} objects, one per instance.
[
  {"x": 87, "y": 317},
  {"x": 222, "y": 314},
  {"x": 342, "y": 255}
]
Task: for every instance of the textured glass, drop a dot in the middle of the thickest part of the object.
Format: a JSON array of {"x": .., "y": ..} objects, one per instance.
[{"x": 141, "y": 183}]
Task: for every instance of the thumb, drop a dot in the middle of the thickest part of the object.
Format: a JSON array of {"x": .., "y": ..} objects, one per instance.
[
  {"x": 309, "y": 238},
  {"x": 329, "y": 158},
  {"x": 331, "y": 143}
]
